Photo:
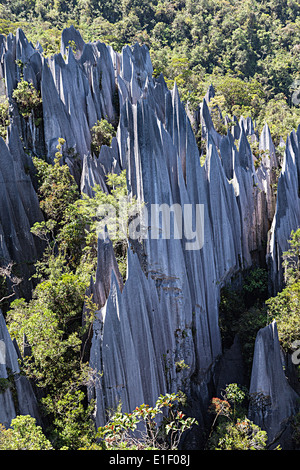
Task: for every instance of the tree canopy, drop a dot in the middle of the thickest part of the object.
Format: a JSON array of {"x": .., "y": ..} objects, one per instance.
[{"x": 248, "y": 49}]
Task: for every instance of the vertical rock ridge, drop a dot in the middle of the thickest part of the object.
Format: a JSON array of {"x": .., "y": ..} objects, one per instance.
[{"x": 166, "y": 313}]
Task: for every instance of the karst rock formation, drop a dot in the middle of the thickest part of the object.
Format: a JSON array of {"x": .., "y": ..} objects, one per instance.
[{"x": 167, "y": 310}]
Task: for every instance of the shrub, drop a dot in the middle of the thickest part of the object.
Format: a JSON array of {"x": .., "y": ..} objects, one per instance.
[
  {"x": 28, "y": 99},
  {"x": 24, "y": 434},
  {"x": 102, "y": 133},
  {"x": 234, "y": 431},
  {"x": 291, "y": 259},
  {"x": 231, "y": 308},
  {"x": 252, "y": 320},
  {"x": 285, "y": 308},
  {"x": 52, "y": 324},
  {"x": 141, "y": 430},
  {"x": 242, "y": 435},
  {"x": 112, "y": 210},
  {"x": 236, "y": 318},
  {"x": 4, "y": 118},
  {"x": 255, "y": 286},
  {"x": 57, "y": 187},
  {"x": 72, "y": 425}
]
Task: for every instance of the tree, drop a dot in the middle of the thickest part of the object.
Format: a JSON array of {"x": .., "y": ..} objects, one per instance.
[
  {"x": 285, "y": 306},
  {"x": 28, "y": 99},
  {"x": 4, "y": 118},
  {"x": 57, "y": 187},
  {"x": 102, "y": 134},
  {"x": 51, "y": 322},
  {"x": 237, "y": 96},
  {"x": 291, "y": 259},
  {"x": 242, "y": 435},
  {"x": 23, "y": 434},
  {"x": 51, "y": 326},
  {"x": 147, "y": 428},
  {"x": 234, "y": 431},
  {"x": 113, "y": 210}
]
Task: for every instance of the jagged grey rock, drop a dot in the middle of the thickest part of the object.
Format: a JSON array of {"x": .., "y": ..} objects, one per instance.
[
  {"x": 287, "y": 213},
  {"x": 23, "y": 400},
  {"x": 252, "y": 202},
  {"x": 267, "y": 168},
  {"x": 19, "y": 210},
  {"x": 129, "y": 343},
  {"x": 92, "y": 175},
  {"x": 231, "y": 368},
  {"x": 158, "y": 149},
  {"x": 166, "y": 153},
  {"x": 166, "y": 313},
  {"x": 273, "y": 401},
  {"x": 71, "y": 38}
]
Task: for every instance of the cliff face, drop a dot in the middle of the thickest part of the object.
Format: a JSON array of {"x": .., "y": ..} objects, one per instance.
[
  {"x": 16, "y": 394},
  {"x": 287, "y": 213},
  {"x": 167, "y": 311},
  {"x": 274, "y": 401}
]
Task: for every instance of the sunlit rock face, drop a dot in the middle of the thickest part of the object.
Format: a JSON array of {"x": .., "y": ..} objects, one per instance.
[
  {"x": 17, "y": 396},
  {"x": 287, "y": 212},
  {"x": 273, "y": 401},
  {"x": 157, "y": 331}
]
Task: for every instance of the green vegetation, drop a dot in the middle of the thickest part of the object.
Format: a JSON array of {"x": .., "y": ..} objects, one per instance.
[
  {"x": 23, "y": 434},
  {"x": 285, "y": 306},
  {"x": 243, "y": 317},
  {"x": 249, "y": 50},
  {"x": 243, "y": 312},
  {"x": 231, "y": 429},
  {"x": 28, "y": 100},
  {"x": 291, "y": 259},
  {"x": 57, "y": 189},
  {"x": 118, "y": 432},
  {"x": 102, "y": 134},
  {"x": 4, "y": 118},
  {"x": 112, "y": 210},
  {"x": 51, "y": 321}
]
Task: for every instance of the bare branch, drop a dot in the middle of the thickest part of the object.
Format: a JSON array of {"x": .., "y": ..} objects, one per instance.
[{"x": 6, "y": 271}]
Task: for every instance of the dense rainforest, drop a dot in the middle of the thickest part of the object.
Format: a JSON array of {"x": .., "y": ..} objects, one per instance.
[{"x": 250, "y": 52}]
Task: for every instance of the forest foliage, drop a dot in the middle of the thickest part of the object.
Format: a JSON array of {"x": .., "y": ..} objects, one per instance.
[{"x": 248, "y": 49}]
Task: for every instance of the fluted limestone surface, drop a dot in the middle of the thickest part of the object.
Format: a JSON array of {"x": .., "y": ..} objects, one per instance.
[
  {"x": 163, "y": 167},
  {"x": 287, "y": 212},
  {"x": 19, "y": 210},
  {"x": 273, "y": 399},
  {"x": 17, "y": 396},
  {"x": 267, "y": 168},
  {"x": 159, "y": 332},
  {"x": 94, "y": 170}
]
